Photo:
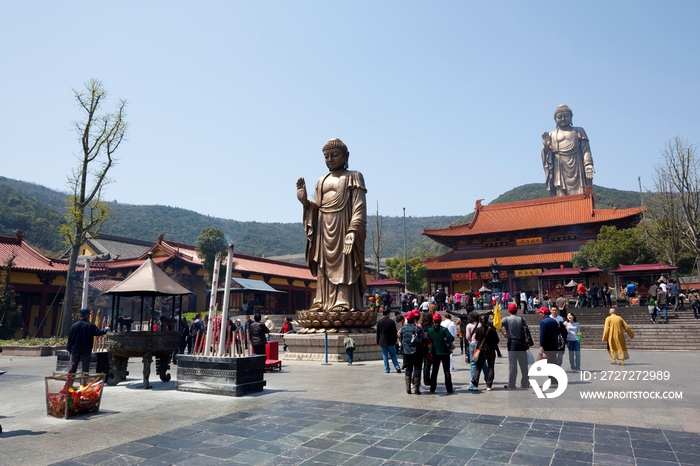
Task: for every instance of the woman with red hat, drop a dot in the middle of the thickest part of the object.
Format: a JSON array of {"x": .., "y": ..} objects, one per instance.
[
  {"x": 440, "y": 337},
  {"x": 412, "y": 338}
]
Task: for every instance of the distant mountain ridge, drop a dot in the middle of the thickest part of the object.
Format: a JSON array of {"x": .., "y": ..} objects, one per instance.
[{"x": 38, "y": 211}]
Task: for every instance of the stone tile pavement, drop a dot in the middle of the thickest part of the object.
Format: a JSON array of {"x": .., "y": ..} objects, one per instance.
[
  {"x": 313, "y": 414},
  {"x": 310, "y": 432}
]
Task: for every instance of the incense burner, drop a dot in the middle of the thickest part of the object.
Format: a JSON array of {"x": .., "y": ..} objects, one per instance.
[{"x": 122, "y": 346}]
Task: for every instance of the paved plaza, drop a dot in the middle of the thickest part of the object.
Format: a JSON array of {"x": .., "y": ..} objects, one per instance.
[{"x": 315, "y": 414}]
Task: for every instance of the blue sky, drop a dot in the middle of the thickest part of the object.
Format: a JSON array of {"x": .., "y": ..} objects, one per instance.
[{"x": 440, "y": 103}]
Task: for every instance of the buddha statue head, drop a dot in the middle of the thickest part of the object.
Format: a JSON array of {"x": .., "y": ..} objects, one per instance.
[{"x": 336, "y": 151}]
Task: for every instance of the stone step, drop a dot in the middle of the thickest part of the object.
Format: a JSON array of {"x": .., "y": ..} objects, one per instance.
[
  {"x": 637, "y": 318},
  {"x": 678, "y": 337}
]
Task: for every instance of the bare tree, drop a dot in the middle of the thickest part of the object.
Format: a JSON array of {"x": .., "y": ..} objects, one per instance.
[
  {"x": 677, "y": 178},
  {"x": 666, "y": 223},
  {"x": 378, "y": 242},
  {"x": 100, "y": 136}
]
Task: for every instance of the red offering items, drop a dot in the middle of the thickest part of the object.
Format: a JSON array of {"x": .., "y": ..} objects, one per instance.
[{"x": 69, "y": 395}]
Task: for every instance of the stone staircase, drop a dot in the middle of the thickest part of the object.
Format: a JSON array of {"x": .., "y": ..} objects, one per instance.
[{"x": 681, "y": 333}]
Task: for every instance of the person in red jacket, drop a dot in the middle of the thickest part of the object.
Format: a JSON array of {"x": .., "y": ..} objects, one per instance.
[{"x": 581, "y": 291}]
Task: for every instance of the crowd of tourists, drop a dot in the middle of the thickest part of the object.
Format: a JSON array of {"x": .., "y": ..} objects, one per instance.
[
  {"x": 427, "y": 341},
  {"x": 525, "y": 301}
]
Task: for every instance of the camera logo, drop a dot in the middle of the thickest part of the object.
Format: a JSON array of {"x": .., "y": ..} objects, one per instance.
[{"x": 542, "y": 368}]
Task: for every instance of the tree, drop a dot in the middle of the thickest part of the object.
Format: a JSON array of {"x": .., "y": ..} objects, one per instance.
[
  {"x": 10, "y": 313},
  {"x": 415, "y": 270},
  {"x": 100, "y": 136},
  {"x": 612, "y": 248},
  {"x": 210, "y": 243},
  {"x": 677, "y": 178},
  {"x": 378, "y": 242}
]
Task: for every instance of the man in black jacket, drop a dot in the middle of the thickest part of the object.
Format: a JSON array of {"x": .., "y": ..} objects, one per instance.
[
  {"x": 258, "y": 335},
  {"x": 386, "y": 300},
  {"x": 80, "y": 338},
  {"x": 549, "y": 332},
  {"x": 386, "y": 338},
  {"x": 440, "y": 297}
]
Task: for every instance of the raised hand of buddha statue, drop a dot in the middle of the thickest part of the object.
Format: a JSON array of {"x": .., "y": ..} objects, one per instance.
[
  {"x": 301, "y": 192},
  {"x": 546, "y": 139}
]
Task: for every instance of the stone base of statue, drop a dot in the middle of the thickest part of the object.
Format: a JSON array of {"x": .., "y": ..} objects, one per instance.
[
  {"x": 311, "y": 347},
  {"x": 334, "y": 321},
  {"x": 220, "y": 375}
]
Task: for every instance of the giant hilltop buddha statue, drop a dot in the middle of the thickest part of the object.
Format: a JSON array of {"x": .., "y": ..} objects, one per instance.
[
  {"x": 335, "y": 222},
  {"x": 566, "y": 156}
]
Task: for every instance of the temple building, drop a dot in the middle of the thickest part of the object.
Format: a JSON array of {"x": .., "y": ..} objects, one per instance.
[
  {"x": 39, "y": 281},
  {"x": 276, "y": 287},
  {"x": 525, "y": 238},
  {"x": 39, "y": 285}
]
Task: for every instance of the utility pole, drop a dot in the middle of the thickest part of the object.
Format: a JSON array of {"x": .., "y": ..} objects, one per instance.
[
  {"x": 405, "y": 272},
  {"x": 644, "y": 221}
]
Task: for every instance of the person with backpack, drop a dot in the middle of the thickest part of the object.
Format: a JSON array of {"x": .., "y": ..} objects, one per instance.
[
  {"x": 561, "y": 339},
  {"x": 675, "y": 294},
  {"x": 549, "y": 334},
  {"x": 515, "y": 329},
  {"x": 412, "y": 339}
]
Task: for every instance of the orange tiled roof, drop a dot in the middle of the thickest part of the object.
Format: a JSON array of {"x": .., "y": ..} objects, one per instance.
[
  {"x": 639, "y": 268},
  {"x": 449, "y": 261},
  {"x": 27, "y": 258},
  {"x": 104, "y": 284},
  {"x": 166, "y": 250},
  {"x": 269, "y": 267},
  {"x": 129, "y": 263},
  {"x": 533, "y": 214},
  {"x": 384, "y": 282},
  {"x": 245, "y": 263}
]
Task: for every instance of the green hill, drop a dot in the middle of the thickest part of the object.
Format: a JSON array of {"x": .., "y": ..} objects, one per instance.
[{"x": 38, "y": 211}]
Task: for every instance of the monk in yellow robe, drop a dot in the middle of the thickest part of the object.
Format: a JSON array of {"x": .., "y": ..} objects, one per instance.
[
  {"x": 335, "y": 222},
  {"x": 614, "y": 335}
]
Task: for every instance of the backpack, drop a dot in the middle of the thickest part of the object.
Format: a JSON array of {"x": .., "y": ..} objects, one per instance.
[
  {"x": 412, "y": 341},
  {"x": 349, "y": 343},
  {"x": 450, "y": 345},
  {"x": 195, "y": 328},
  {"x": 526, "y": 335},
  {"x": 561, "y": 341}
]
